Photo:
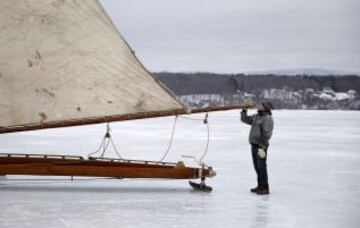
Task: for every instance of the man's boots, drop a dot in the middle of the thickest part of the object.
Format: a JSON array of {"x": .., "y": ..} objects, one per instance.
[
  {"x": 262, "y": 191},
  {"x": 254, "y": 189}
]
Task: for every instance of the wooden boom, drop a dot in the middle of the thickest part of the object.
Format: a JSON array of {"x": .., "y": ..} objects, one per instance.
[
  {"x": 106, "y": 119},
  {"x": 64, "y": 165}
]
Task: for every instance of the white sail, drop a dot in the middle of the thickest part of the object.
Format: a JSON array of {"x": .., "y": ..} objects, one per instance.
[{"x": 63, "y": 60}]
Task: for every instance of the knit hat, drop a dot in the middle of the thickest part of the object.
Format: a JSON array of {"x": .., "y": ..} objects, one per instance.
[{"x": 267, "y": 105}]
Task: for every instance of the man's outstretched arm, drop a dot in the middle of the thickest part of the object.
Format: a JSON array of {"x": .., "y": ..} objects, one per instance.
[{"x": 245, "y": 118}]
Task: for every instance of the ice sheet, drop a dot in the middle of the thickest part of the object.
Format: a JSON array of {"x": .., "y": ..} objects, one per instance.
[{"x": 313, "y": 171}]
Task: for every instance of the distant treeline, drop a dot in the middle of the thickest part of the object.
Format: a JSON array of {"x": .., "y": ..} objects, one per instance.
[{"x": 209, "y": 83}]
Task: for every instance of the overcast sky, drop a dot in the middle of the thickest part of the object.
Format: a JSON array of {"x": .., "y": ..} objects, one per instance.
[{"x": 231, "y": 36}]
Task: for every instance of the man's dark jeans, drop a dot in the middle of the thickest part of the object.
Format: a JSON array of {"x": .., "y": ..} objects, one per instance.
[{"x": 260, "y": 167}]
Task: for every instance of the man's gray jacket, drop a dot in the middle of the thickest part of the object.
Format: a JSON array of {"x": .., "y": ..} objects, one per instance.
[{"x": 261, "y": 128}]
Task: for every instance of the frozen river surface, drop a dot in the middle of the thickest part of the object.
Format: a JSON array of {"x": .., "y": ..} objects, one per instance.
[{"x": 314, "y": 174}]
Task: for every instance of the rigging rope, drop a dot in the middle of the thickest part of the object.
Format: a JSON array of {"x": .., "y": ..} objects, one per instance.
[
  {"x": 188, "y": 118},
  {"x": 171, "y": 139},
  {"x": 205, "y": 121},
  {"x": 105, "y": 143},
  {"x": 107, "y": 139}
]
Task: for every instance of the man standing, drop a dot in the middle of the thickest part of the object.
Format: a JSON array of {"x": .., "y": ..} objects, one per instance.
[{"x": 262, "y": 125}]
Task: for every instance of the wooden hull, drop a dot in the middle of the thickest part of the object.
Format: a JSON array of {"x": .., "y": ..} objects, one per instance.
[{"x": 63, "y": 165}]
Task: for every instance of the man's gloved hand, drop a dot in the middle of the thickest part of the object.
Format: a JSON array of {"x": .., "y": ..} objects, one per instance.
[
  {"x": 261, "y": 153},
  {"x": 248, "y": 103}
]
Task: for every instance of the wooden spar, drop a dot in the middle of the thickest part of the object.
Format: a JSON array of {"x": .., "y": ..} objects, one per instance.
[
  {"x": 105, "y": 119},
  {"x": 64, "y": 165}
]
